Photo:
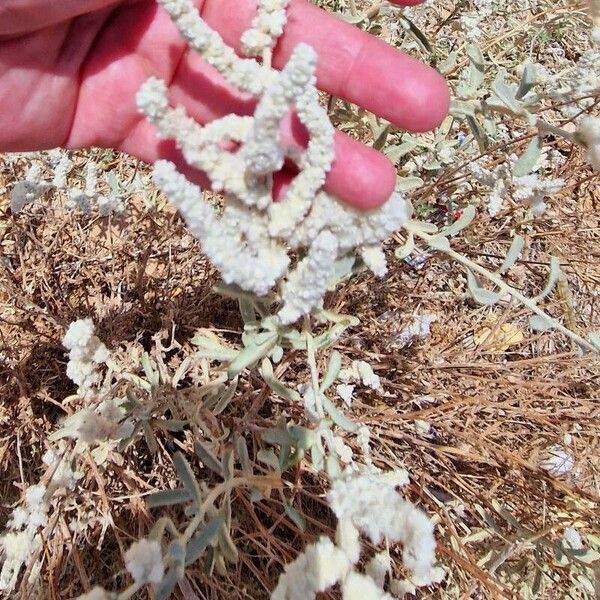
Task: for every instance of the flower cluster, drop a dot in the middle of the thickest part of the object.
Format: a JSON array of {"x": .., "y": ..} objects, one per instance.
[
  {"x": 82, "y": 198},
  {"x": 250, "y": 241},
  {"x": 86, "y": 352},
  {"x": 368, "y": 503}
]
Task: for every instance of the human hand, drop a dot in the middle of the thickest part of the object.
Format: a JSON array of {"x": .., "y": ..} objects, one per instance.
[{"x": 70, "y": 70}]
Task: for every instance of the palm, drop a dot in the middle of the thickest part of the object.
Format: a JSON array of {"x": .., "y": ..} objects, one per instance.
[{"x": 74, "y": 83}]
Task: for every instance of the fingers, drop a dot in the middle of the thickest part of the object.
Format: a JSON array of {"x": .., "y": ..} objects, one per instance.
[
  {"x": 360, "y": 176},
  {"x": 352, "y": 64}
]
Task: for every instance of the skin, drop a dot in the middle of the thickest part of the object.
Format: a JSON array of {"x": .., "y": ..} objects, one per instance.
[{"x": 70, "y": 69}]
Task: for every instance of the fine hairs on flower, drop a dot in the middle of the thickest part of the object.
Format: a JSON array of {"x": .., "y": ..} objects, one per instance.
[{"x": 250, "y": 241}]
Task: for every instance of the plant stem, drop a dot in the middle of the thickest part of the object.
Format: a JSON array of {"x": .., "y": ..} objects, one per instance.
[
  {"x": 353, "y": 9},
  {"x": 312, "y": 364},
  {"x": 507, "y": 289}
]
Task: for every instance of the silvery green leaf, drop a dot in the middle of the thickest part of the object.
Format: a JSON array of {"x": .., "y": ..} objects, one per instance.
[
  {"x": 266, "y": 368},
  {"x": 332, "y": 317},
  {"x": 594, "y": 339},
  {"x": 168, "y": 498},
  {"x": 477, "y": 70},
  {"x": 165, "y": 588},
  {"x": 333, "y": 369},
  {"x": 406, "y": 250},
  {"x": 277, "y": 354},
  {"x": 330, "y": 336},
  {"x": 342, "y": 268},
  {"x": 247, "y": 310},
  {"x": 513, "y": 254},
  {"x": 478, "y": 133},
  {"x": 317, "y": 457},
  {"x": 462, "y": 109},
  {"x": 225, "y": 397},
  {"x": 241, "y": 450},
  {"x": 264, "y": 337},
  {"x": 181, "y": 371},
  {"x": 349, "y": 18},
  {"x": 539, "y": 324},
  {"x": 149, "y": 437},
  {"x": 294, "y": 515},
  {"x": 553, "y": 278},
  {"x": 529, "y": 159},
  {"x": 268, "y": 458},
  {"x": 252, "y": 354},
  {"x": 332, "y": 466},
  {"x": 396, "y": 151},
  {"x": 339, "y": 418},
  {"x": 151, "y": 375},
  {"x": 185, "y": 473},
  {"x": 226, "y": 544},
  {"x": 209, "y": 348},
  {"x": 448, "y": 63},
  {"x": 198, "y": 544},
  {"x": 405, "y": 184},
  {"x": 209, "y": 460},
  {"x": 227, "y": 464},
  {"x": 528, "y": 80},
  {"x": 468, "y": 214},
  {"x": 481, "y": 295},
  {"x": 417, "y": 34},
  {"x": 301, "y": 437},
  {"x": 281, "y": 390},
  {"x": 279, "y": 436},
  {"x": 505, "y": 92},
  {"x": 439, "y": 243}
]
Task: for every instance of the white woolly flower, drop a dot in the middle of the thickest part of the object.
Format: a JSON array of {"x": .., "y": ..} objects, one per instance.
[
  {"x": 589, "y": 134},
  {"x": 17, "y": 548},
  {"x": 144, "y": 561},
  {"x": 345, "y": 391},
  {"x": 378, "y": 567},
  {"x": 96, "y": 593},
  {"x": 86, "y": 352},
  {"x": 361, "y": 371},
  {"x": 361, "y": 587},
  {"x": 372, "y": 504},
  {"x": 319, "y": 567},
  {"x": 249, "y": 242}
]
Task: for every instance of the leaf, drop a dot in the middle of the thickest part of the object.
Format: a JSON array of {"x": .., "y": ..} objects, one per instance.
[
  {"x": 294, "y": 515},
  {"x": 198, "y": 544},
  {"x": 405, "y": 184},
  {"x": 477, "y": 70},
  {"x": 480, "y": 136},
  {"x": 209, "y": 460},
  {"x": 149, "y": 437},
  {"x": 185, "y": 473},
  {"x": 169, "y": 498},
  {"x": 553, "y": 277},
  {"x": 396, "y": 151},
  {"x": 539, "y": 324},
  {"x": 225, "y": 397},
  {"x": 268, "y": 458},
  {"x": 448, "y": 63},
  {"x": 252, "y": 354},
  {"x": 338, "y": 417},
  {"x": 528, "y": 81},
  {"x": 281, "y": 390},
  {"x": 479, "y": 294},
  {"x": 417, "y": 34},
  {"x": 333, "y": 369},
  {"x": 439, "y": 243},
  {"x": 513, "y": 254},
  {"x": 594, "y": 339},
  {"x": 209, "y": 348},
  {"x": 467, "y": 216},
  {"x": 151, "y": 374},
  {"x": 165, "y": 588},
  {"x": 406, "y": 250},
  {"x": 506, "y": 93},
  {"x": 526, "y": 163},
  {"x": 226, "y": 544},
  {"x": 241, "y": 450}
]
